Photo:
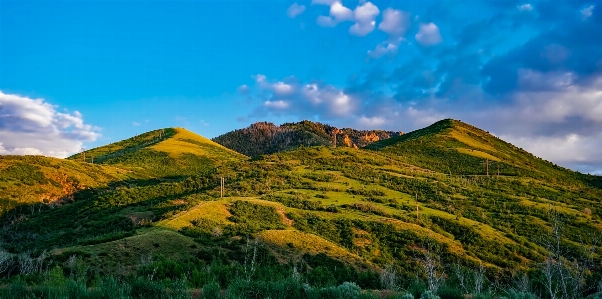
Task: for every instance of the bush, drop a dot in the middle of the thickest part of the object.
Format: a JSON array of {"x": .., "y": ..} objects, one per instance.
[
  {"x": 521, "y": 295},
  {"x": 211, "y": 291},
  {"x": 429, "y": 295},
  {"x": 111, "y": 288},
  {"x": 349, "y": 290},
  {"x": 321, "y": 277},
  {"x": 447, "y": 292},
  {"x": 145, "y": 289}
]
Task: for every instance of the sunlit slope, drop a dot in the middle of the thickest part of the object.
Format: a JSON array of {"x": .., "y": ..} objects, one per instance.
[
  {"x": 451, "y": 146},
  {"x": 164, "y": 152},
  {"x": 38, "y": 179}
]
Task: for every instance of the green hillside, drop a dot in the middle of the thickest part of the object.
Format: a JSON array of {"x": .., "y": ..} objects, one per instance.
[
  {"x": 317, "y": 215},
  {"x": 266, "y": 138},
  {"x": 162, "y": 153},
  {"x": 451, "y": 146}
]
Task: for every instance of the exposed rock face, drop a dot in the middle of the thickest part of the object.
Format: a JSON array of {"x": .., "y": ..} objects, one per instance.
[
  {"x": 266, "y": 138},
  {"x": 348, "y": 142},
  {"x": 372, "y": 137}
]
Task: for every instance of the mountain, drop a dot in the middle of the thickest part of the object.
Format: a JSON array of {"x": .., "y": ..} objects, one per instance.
[
  {"x": 266, "y": 138},
  {"x": 456, "y": 148},
  {"x": 179, "y": 205}
]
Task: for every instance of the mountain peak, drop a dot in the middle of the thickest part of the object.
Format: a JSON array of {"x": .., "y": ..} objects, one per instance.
[{"x": 451, "y": 145}]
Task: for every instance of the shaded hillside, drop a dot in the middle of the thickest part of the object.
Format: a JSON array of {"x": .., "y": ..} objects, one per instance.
[{"x": 266, "y": 138}]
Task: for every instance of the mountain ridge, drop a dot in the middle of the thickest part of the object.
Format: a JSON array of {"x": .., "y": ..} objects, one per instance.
[{"x": 267, "y": 138}]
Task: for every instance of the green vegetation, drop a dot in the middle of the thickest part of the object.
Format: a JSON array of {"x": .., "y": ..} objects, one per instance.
[{"x": 414, "y": 215}]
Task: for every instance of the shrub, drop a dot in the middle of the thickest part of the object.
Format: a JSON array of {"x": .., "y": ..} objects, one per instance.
[
  {"x": 111, "y": 288},
  {"x": 447, "y": 292},
  {"x": 211, "y": 291},
  {"x": 429, "y": 295},
  {"x": 349, "y": 290},
  {"x": 321, "y": 277},
  {"x": 143, "y": 289},
  {"x": 522, "y": 295}
]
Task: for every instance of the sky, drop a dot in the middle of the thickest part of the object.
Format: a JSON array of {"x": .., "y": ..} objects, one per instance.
[{"x": 80, "y": 74}]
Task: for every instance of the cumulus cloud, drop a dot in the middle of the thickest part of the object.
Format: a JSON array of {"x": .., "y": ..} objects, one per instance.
[
  {"x": 428, "y": 35},
  {"x": 364, "y": 17},
  {"x": 382, "y": 49},
  {"x": 33, "y": 126},
  {"x": 313, "y": 99},
  {"x": 294, "y": 10},
  {"x": 338, "y": 14},
  {"x": 395, "y": 23}
]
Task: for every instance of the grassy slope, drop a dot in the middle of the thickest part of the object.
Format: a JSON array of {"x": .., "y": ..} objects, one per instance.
[{"x": 355, "y": 205}]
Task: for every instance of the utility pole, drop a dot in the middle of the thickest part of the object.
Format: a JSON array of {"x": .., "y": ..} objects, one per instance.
[
  {"x": 82, "y": 151},
  {"x": 487, "y": 165},
  {"x": 222, "y": 187},
  {"x": 92, "y": 159},
  {"x": 416, "y": 207}
]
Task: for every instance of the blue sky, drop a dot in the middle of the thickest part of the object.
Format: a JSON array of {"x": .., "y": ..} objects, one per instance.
[{"x": 86, "y": 73}]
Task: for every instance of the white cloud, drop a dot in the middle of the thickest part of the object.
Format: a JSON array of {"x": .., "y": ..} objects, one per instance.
[
  {"x": 525, "y": 7},
  {"x": 587, "y": 12},
  {"x": 568, "y": 149},
  {"x": 280, "y": 105},
  {"x": 382, "y": 49},
  {"x": 33, "y": 126},
  {"x": 281, "y": 88},
  {"x": 395, "y": 22},
  {"x": 243, "y": 89},
  {"x": 428, "y": 35},
  {"x": 294, "y": 10},
  {"x": 309, "y": 100},
  {"x": 374, "y": 121},
  {"x": 364, "y": 16},
  {"x": 338, "y": 14},
  {"x": 136, "y": 124}
]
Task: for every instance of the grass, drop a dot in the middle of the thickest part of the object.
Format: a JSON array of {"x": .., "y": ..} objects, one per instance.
[
  {"x": 184, "y": 141},
  {"x": 216, "y": 211}
]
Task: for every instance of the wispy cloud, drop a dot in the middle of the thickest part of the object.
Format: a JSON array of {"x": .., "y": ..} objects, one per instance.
[{"x": 294, "y": 10}]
